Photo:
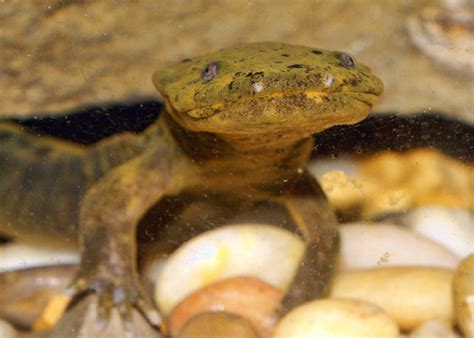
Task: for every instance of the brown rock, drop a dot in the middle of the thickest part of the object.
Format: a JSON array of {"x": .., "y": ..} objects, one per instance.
[
  {"x": 250, "y": 298},
  {"x": 393, "y": 182},
  {"x": 422, "y": 176},
  {"x": 218, "y": 325},
  {"x": 24, "y": 293}
]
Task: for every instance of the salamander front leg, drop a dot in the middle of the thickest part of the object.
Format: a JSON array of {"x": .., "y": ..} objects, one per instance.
[
  {"x": 308, "y": 206},
  {"x": 109, "y": 215}
]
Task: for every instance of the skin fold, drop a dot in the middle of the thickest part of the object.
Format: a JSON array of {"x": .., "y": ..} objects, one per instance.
[{"x": 237, "y": 126}]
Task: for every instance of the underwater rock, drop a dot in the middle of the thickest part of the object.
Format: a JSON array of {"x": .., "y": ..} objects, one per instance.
[
  {"x": 248, "y": 297},
  {"x": 25, "y": 293},
  {"x": 410, "y": 295},
  {"x": 218, "y": 325},
  {"x": 61, "y": 55},
  {"x": 463, "y": 287},
  {"x": 372, "y": 245},
  {"x": 229, "y": 251},
  {"x": 450, "y": 227},
  {"x": 434, "y": 329},
  {"x": 336, "y": 318},
  {"x": 7, "y": 330}
]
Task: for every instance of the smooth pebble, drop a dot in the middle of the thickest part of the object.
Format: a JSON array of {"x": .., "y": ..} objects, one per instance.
[
  {"x": 450, "y": 227},
  {"x": 16, "y": 256},
  {"x": 25, "y": 293},
  {"x": 250, "y": 298},
  {"x": 7, "y": 330},
  {"x": 434, "y": 329},
  {"x": 254, "y": 250},
  {"x": 336, "y": 318},
  {"x": 218, "y": 325},
  {"x": 463, "y": 287},
  {"x": 410, "y": 295},
  {"x": 370, "y": 245}
]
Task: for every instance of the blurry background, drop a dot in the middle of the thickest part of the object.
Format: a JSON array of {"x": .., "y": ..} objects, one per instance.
[{"x": 57, "y": 56}]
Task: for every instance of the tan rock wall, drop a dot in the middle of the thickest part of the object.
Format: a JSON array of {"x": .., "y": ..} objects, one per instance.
[{"x": 59, "y": 55}]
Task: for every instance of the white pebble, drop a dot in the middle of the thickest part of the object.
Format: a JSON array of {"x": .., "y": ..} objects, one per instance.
[
  {"x": 254, "y": 250},
  {"x": 451, "y": 227},
  {"x": 7, "y": 330},
  {"x": 367, "y": 245},
  {"x": 434, "y": 329},
  {"x": 16, "y": 256}
]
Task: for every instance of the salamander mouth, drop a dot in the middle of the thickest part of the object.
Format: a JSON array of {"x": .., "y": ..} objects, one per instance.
[{"x": 208, "y": 111}]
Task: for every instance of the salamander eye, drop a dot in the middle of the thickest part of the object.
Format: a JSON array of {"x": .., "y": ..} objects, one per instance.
[
  {"x": 347, "y": 60},
  {"x": 210, "y": 71}
]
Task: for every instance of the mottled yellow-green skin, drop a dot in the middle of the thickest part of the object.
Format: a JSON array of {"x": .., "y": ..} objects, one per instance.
[
  {"x": 236, "y": 132},
  {"x": 229, "y": 102}
]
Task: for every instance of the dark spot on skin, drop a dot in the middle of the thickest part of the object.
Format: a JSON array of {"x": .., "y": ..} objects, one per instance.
[
  {"x": 237, "y": 73},
  {"x": 216, "y": 111},
  {"x": 255, "y": 75},
  {"x": 285, "y": 55},
  {"x": 277, "y": 62},
  {"x": 241, "y": 60},
  {"x": 354, "y": 82},
  {"x": 210, "y": 71},
  {"x": 297, "y": 66},
  {"x": 185, "y": 60},
  {"x": 231, "y": 86},
  {"x": 317, "y": 52},
  {"x": 347, "y": 60}
]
